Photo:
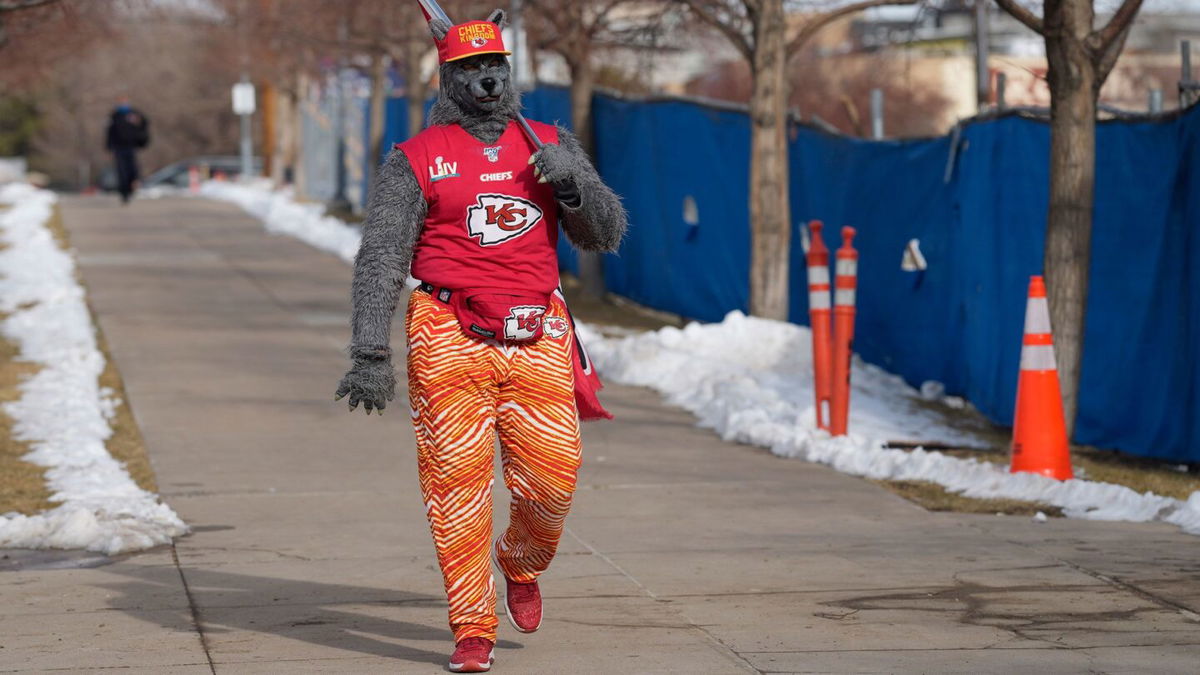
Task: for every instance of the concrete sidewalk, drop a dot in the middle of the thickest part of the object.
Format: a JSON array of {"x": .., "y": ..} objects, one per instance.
[{"x": 311, "y": 553}]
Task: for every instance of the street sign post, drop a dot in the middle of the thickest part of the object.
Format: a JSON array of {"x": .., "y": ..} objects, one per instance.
[{"x": 244, "y": 106}]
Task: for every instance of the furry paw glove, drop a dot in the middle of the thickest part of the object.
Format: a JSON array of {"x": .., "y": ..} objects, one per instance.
[
  {"x": 557, "y": 166},
  {"x": 371, "y": 380}
]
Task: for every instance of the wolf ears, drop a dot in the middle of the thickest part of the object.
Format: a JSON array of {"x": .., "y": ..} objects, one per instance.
[
  {"x": 440, "y": 29},
  {"x": 498, "y": 17}
]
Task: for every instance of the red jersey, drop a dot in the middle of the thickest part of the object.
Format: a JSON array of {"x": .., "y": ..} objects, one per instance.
[{"x": 490, "y": 223}]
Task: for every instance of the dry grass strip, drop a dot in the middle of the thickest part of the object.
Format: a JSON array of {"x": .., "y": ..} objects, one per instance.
[
  {"x": 23, "y": 485},
  {"x": 125, "y": 444},
  {"x": 934, "y": 497},
  {"x": 1137, "y": 473}
]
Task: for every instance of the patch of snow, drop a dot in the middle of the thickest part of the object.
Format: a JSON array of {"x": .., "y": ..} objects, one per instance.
[
  {"x": 750, "y": 380},
  {"x": 280, "y": 213},
  {"x": 932, "y": 390},
  {"x": 63, "y": 412}
]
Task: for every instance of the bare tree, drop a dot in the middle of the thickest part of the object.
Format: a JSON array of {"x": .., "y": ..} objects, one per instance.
[
  {"x": 41, "y": 46},
  {"x": 14, "y": 5},
  {"x": 576, "y": 30},
  {"x": 37, "y": 29},
  {"x": 372, "y": 30},
  {"x": 296, "y": 37},
  {"x": 836, "y": 90},
  {"x": 278, "y": 44},
  {"x": 1080, "y": 57},
  {"x": 10, "y": 6},
  {"x": 416, "y": 44},
  {"x": 183, "y": 90},
  {"x": 758, "y": 30}
]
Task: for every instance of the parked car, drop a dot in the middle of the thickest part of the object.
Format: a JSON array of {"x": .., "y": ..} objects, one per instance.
[{"x": 176, "y": 174}]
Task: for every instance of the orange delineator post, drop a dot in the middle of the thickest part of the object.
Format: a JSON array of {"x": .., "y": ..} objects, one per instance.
[
  {"x": 1039, "y": 429},
  {"x": 844, "y": 296},
  {"x": 820, "y": 317}
]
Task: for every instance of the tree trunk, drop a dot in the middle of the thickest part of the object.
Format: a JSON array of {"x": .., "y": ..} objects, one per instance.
[
  {"x": 283, "y": 165},
  {"x": 268, "y": 117},
  {"x": 1074, "y": 89},
  {"x": 591, "y": 264},
  {"x": 299, "y": 112},
  {"x": 583, "y": 81},
  {"x": 769, "y": 210},
  {"x": 414, "y": 49},
  {"x": 379, "y": 92}
]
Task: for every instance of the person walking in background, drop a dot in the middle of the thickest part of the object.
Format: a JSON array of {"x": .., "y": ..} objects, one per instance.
[{"x": 128, "y": 131}]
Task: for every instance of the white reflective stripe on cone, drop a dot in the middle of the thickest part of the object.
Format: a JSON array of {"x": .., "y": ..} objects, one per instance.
[
  {"x": 818, "y": 274},
  {"x": 844, "y": 297},
  {"x": 847, "y": 267},
  {"x": 818, "y": 299},
  {"x": 1038, "y": 357},
  {"x": 1037, "y": 317}
]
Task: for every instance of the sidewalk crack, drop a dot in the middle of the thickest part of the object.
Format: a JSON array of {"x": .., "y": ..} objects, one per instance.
[
  {"x": 1142, "y": 593},
  {"x": 1165, "y": 603},
  {"x": 194, "y": 610},
  {"x": 718, "y": 646}
]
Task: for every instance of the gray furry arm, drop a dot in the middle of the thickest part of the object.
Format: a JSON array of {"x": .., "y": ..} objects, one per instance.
[
  {"x": 395, "y": 215},
  {"x": 598, "y": 223}
]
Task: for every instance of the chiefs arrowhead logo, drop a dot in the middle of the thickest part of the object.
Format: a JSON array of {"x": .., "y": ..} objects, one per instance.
[
  {"x": 555, "y": 326},
  {"x": 522, "y": 322},
  {"x": 496, "y": 219}
]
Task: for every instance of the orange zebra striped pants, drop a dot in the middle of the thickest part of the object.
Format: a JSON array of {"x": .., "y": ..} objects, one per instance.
[{"x": 463, "y": 393}]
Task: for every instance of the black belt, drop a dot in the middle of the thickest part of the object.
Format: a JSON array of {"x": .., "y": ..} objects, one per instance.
[{"x": 442, "y": 294}]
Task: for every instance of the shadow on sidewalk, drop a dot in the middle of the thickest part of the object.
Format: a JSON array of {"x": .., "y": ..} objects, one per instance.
[{"x": 296, "y": 610}]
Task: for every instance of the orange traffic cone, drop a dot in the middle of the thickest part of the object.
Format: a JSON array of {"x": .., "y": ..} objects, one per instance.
[{"x": 1039, "y": 429}]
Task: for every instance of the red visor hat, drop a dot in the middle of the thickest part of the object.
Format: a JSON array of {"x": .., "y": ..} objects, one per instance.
[{"x": 470, "y": 39}]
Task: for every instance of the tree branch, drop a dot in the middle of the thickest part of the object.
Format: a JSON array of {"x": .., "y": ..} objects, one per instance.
[
  {"x": 14, "y": 5},
  {"x": 600, "y": 20},
  {"x": 735, "y": 37},
  {"x": 551, "y": 14},
  {"x": 1107, "y": 58},
  {"x": 1020, "y": 13},
  {"x": 562, "y": 21},
  {"x": 821, "y": 20},
  {"x": 1120, "y": 21}
]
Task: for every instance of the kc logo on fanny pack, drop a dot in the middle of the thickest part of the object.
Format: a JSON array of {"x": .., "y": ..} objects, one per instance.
[
  {"x": 555, "y": 326},
  {"x": 523, "y": 321},
  {"x": 496, "y": 219}
]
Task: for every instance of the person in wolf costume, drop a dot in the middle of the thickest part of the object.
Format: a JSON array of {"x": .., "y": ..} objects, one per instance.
[{"x": 473, "y": 207}]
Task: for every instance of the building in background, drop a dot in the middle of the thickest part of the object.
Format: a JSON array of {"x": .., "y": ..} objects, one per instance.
[
  {"x": 938, "y": 42},
  {"x": 923, "y": 58}
]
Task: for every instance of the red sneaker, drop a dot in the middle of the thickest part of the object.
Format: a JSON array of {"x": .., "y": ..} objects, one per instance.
[
  {"x": 524, "y": 604},
  {"x": 472, "y": 655}
]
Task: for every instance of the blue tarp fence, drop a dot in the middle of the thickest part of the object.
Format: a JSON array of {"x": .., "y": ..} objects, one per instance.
[{"x": 960, "y": 321}]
